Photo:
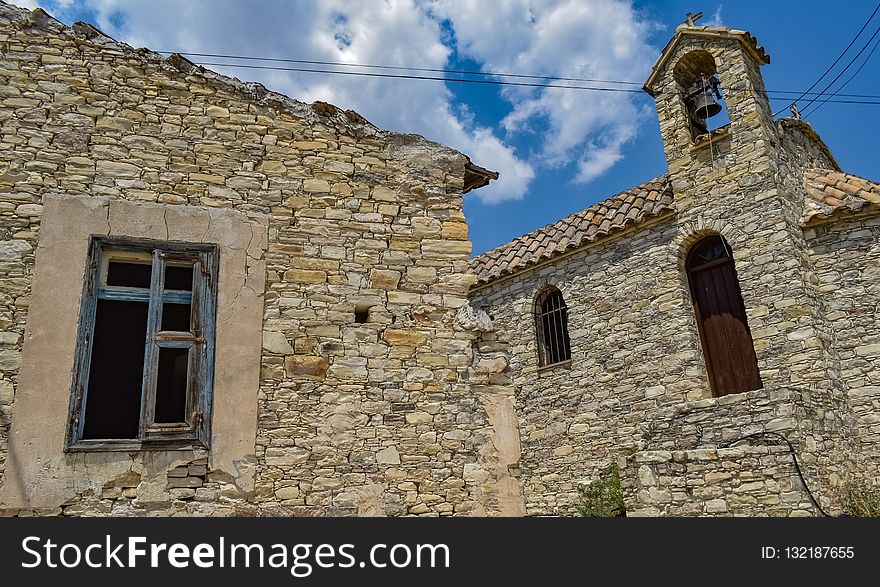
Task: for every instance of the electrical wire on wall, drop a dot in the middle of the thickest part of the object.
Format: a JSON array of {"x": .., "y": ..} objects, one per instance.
[{"x": 797, "y": 466}]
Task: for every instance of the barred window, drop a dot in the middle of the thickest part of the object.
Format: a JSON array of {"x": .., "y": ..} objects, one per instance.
[{"x": 551, "y": 324}]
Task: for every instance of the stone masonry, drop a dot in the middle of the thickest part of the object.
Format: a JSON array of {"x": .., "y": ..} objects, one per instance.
[
  {"x": 366, "y": 366},
  {"x": 752, "y": 481},
  {"x": 374, "y": 418},
  {"x": 804, "y": 238}
]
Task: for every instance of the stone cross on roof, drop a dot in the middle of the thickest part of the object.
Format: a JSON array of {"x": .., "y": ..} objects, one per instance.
[{"x": 691, "y": 19}]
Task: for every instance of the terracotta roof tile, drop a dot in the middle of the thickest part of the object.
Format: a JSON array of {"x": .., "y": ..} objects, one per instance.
[
  {"x": 830, "y": 191},
  {"x": 617, "y": 212}
]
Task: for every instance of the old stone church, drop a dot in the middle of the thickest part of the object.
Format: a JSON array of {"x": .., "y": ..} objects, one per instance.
[{"x": 215, "y": 300}]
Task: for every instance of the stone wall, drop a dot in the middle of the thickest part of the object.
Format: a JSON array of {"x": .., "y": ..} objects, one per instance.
[
  {"x": 40, "y": 475},
  {"x": 711, "y": 422},
  {"x": 801, "y": 415},
  {"x": 435, "y": 405},
  {"x": 634, "y": 349},
  {"x": 367, "y": 418},
  {"x": 846, "y": 255},
  {"x": 637, "y": 370},
  {"x": 736, "y": 481}
]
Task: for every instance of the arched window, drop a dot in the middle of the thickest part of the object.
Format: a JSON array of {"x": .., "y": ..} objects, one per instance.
[
  {"x": 551, "y": 324},
  {"x": 721, "y": 318}
]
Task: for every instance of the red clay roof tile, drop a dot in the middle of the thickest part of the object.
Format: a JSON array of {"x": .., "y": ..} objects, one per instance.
[
  {"x": 617, "y": 212},
  {"x": 830, "y": 191}
]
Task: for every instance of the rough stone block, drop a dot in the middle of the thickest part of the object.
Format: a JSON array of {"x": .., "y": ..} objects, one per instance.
[{"x": 305, "y": 366}]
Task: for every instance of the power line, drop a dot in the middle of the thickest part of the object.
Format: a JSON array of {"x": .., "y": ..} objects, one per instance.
[
  {"x": 848, "y": 65},
  {"x": 403, "y": 68},
  {"x": 839, "y": 57},
  {"x": 819, "y": 94},
  {"x": 422, "y": 77},
  {"x": 475, "y": 81},
  {"x": 832, "y": 101},
  {"x": 851, "y": 78},
  {"x": 439, "y": 70},
  {"x": 464, "y": 72}
]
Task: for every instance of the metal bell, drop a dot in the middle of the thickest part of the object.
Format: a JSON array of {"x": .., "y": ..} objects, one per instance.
[{"x": 704, "y": 106}]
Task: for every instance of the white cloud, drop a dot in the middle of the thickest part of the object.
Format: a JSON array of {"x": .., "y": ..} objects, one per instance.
[
  {"x": 601, "y": 39},
  {"x": 715, "y": 19}
]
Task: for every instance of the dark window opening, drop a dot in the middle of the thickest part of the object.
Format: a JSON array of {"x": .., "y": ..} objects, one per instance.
[
  {"x": 144, "y": 372},
  {"x": 179, "y": 278},
  {"x": 176, "y": 317},
  {"x": 551, "y": 322},
  {"x": 123, "y": 274},
  {"x": 729, "y": 351},
  {"x": 171, "y": 386},
  {"x": 362, "y": 314},
  {"x": 117, "y": 373}
]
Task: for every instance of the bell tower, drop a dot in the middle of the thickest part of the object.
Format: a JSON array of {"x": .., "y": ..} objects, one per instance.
[
  {"x": 739, "y": 181},
  {"x": 714, "y": 114}
]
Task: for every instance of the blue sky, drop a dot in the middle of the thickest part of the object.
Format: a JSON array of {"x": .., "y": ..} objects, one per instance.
[{"x": 558, "y": 150}]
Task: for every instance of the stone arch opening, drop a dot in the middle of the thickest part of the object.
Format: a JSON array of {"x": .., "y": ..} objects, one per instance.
[{"x": 696, "y": 75}]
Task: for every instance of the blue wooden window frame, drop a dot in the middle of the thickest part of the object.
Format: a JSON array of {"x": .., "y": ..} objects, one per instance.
[{"x": 195, "y": 431}]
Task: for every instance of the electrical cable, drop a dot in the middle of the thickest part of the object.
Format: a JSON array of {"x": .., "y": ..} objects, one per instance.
[
  {"x": 851, "y": 78},
  {"x": 422, "y": 77},
  {"x": 468, "y": 81},
  {"x": 819, "y": 94},
  {"x": 456, "y": 71},
  {"x": 404, "y": 68},
  {"x": 794, "y": 458},
  {"x": 848, "y": 65},
  {"x": 839, "y": 57}
]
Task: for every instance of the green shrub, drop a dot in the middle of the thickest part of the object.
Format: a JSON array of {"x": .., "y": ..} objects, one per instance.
[
  {"x": 603, "y": 498},
  {"x": 863, "y": 499}
]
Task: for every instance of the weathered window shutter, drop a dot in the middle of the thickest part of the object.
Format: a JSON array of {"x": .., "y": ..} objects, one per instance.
[{"x": 174, "y": 287}]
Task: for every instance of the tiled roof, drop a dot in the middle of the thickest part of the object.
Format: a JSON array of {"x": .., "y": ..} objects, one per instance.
[
  {"x": 617, "y": 212},
  {"x": 832, "y": 191}
]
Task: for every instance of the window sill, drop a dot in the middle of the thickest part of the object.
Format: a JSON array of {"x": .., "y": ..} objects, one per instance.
[
  {"x": 705, "y": 139},
  {"x": 559, "y": 365},
  {"x": 133, "y": 445}
]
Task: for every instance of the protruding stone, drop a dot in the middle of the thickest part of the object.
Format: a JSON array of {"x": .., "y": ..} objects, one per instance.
[
  {"x": 388, "y": 456},
  {"x": 276, "y": 342},
  {"x": 384, "y": 279}
]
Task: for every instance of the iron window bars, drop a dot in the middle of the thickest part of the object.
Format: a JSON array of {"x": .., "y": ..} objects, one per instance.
[{"x": 554, "y": 345}]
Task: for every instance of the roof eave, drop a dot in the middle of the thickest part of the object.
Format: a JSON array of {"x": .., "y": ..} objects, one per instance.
[{"x": 476, "y": 177}]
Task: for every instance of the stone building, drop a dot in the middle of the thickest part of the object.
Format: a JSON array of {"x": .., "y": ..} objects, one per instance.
[
  {"x": 295, "y": 272},
  {"x": 215, "y": 300},
  {"x": 736, "y": 295}
]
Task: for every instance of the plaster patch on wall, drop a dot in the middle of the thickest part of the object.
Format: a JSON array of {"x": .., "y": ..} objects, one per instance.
[{"x": 41, "y": 475}]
